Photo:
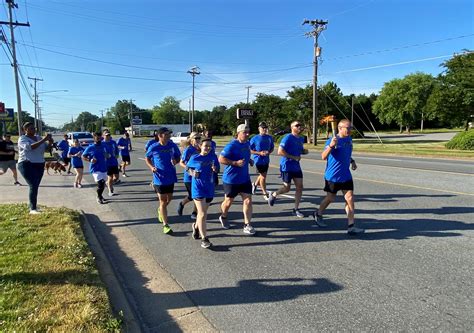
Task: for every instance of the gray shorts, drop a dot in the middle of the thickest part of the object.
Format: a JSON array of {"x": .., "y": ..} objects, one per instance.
[{"x": 5, "y": 165}]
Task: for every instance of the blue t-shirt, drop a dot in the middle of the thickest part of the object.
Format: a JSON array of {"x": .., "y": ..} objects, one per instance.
[
  {"x": 202, "y": 186},
  {"x": 293, "y": 145},
  {"x": 125, "y": 143},
  {"x": 187, "y": 153},
  {"x": 63, "y": 146},
  {"x": 97, "y": 151},
  {"x": 161, "y": 157},
  {"x": 76, "y": 161},
  {"x": 150, "y": 143},
  {"x": 113, "y": 151},
  {"x": 261, "y": 143},
  {"x": 339, "y": 161},
  {"x": 236, "y": 151}
]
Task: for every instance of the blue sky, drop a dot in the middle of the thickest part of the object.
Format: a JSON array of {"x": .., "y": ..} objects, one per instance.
[{"x": 102, "y": 51}]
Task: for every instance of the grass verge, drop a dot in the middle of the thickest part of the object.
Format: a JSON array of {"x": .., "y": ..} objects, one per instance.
[{"x": 48, "y": 279}]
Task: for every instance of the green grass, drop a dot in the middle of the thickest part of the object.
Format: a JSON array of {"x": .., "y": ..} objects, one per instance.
[{"x": 48, "y": 280}]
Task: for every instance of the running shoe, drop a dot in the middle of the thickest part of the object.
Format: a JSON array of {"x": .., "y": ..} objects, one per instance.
[
  {"x": 254, "y": 188},
  {"x": 205, "y": 243},
  {"x": 35, "y": 212},
  {"x": 167, "y": 229},
  {"x": 79, "y": 185},
  {"x": 75, "y": 185},
  {"x": 352, "y": 230},
  {"x": 249, "y": 230},
  {"x": 318, "y": 219},
  {"x": 194, "y": 215},
  {"x": 100, "y": 201},
  {"x": 265, "y": 197},
  {"x": 271, "y": 199},
  {"x": 224, "y": 222},
  {"x": 195, "y": 231},
  {"x": 17, "y": 183},
  {"x": 180, "y": 208},
  {"x": 111, "y": 194},
  {"x": 125, "y": 175},
  {"x": 297, "y": 213}
]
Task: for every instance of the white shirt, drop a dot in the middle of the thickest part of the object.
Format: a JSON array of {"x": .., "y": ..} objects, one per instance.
[{"x": 26, "y": 153}]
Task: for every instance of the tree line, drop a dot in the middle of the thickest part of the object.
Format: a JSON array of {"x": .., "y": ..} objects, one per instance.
[{"x": 446, "y": 100}]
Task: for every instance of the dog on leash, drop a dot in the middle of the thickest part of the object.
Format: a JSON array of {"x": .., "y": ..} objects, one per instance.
[{"x": 55, "y": 165}]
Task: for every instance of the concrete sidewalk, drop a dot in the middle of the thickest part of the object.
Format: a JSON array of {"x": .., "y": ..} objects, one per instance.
[{"x": 126, "y": 267}]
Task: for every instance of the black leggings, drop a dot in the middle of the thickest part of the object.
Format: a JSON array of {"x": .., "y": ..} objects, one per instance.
[
  {"x": 100, "y": 188},
  {"x": 33, "y": 173}
]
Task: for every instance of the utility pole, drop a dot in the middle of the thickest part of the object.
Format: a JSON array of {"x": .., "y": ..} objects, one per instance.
[
  {"x": 193, "y": 71},
  {"x": 189, "y": 116},
  {"x": 101, "y": 120},
  {"x": 36, "y": 100},
  {"x": 248, "y": 93},
  {"x": 131, "y": 117},
  {"x": 352, "y": 111},
  {"x": 11, "y": 4},
  {"x": 318, "y": 27}
]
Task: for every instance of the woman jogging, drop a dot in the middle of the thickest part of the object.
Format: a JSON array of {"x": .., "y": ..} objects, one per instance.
[
  {"x": 202, "y": 168},
  {"x": 75, "y": 154}
]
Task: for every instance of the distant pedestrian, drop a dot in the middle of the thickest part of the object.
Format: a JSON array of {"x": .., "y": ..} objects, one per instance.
[
  {"x": 31, "y": 148},
  {"x": 261, "y": 146},
  {"x": 63, "y": 147},
  {"x": 7, "y": 157},
  {"x": 75, "y": 154},
  {"x": 125, "y": 146},
  {"x": 161, "y": 158},
  {"x": 96, "y": 154},
  {"x": 338, "y": 154},
  {"x": 291, "y": 148},
  {"x": 202, "y": 167},
  {"x": 112, "y": 162},
  {"x": 236, "y": 177},
  {"x": 192, "y": 147}
]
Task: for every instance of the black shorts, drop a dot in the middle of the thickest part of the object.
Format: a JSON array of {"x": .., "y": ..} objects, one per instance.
[
  {"x": 188, "y": 188},
  {"x": 126, "y": 159},
  {"x": 216, "y": 179},
  {"x": 261, "y": 168},
  {"x": 66, "y": 160},
  {"x": 163, "y": 189},
  {"x": 208, "y": 200},
  {"x": 112, "y": 170},
  {"x": 232, "y": 190},
  {"x": 287, "y": 176},
  {"x": 334, "y": 187}
]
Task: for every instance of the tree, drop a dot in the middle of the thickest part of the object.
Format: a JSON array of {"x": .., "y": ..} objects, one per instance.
[
  {"x": 270, "y": 109},
  {"x": 118, "y": 117},
  {"x": 403, "y": 101},
  {"x": 87, "y": 121},
  {"x": 452, "y": 100},
  {"x": 169, "y": 112},
  {"x": 12, "y": 127}
]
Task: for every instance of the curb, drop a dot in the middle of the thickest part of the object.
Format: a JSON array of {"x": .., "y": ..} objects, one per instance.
[{"x": 115, "y": 290}]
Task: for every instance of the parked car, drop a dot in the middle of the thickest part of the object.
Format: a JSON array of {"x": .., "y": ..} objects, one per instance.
[
  {"x": 180, "y": 137},
  {"x": 85, "y": 138}
]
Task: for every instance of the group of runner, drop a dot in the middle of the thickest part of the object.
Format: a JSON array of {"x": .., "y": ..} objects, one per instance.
[{"x": 202, "y": 165}]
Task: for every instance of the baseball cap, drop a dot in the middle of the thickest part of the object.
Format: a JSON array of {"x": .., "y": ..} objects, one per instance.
[
  {"x": 242, "y": 128},
  {"x": 262, "y": 124},
  {"x": 162, "y": 130}
]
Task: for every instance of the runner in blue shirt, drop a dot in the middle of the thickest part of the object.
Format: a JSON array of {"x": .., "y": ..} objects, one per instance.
[
  {"x": 161, "y": 159},
  {"x": 208, "y": 134},
  {"x": 125, "y": 146},
  {"x": 96, "y": 154},
  {"x": 291, "y": 148},
  {"x": 338, "y": 152},
  {"x": 63, "y": 147},
  {"x": 151, "y": 142},
  {"x": 236, "y": 177},
  {"x": 112, "y": 162},
  {"x": 75, "y": 154},
  {"x": 202, "y": 168},
  {"x": 193, "y": 147},
  {"x": 261, "y": 146}
]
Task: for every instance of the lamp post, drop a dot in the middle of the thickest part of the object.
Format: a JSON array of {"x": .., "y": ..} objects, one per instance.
[{"x": 40, "y": 122}]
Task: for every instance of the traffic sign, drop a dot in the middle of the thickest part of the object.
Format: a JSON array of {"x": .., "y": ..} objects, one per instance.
[{"x": 7, "y": 115}]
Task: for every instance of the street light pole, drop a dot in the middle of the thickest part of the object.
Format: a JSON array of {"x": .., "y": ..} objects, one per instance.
[{"x": 193, "y": 71}]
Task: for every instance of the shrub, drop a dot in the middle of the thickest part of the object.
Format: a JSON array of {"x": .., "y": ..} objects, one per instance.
[{"x": 462, "y": 141}]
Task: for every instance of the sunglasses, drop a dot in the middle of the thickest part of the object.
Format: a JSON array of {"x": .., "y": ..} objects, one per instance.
[
  {"x": 349, "y": 128},
  {"x": 298, "y": 125}
]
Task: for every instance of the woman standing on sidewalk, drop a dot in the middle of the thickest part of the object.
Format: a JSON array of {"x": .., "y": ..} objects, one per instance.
[
  {"x": 31, "y": 148},
  {"x": 75, "y": 154},
  {"x": 202, "y": 168}
]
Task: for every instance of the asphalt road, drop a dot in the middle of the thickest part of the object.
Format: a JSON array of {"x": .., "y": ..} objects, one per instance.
[{"x": 412, "y": 270}]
